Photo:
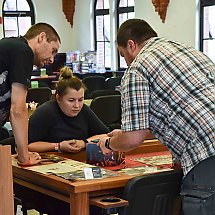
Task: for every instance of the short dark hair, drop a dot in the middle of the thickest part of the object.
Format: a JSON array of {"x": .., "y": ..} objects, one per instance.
[
  {"x": 137, "y": 30},
  {"x": 68, "y": 80},
  {"x": 36, "y": 29}
]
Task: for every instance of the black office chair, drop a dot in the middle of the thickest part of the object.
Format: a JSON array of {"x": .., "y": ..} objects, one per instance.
[
  {"x": 42, "y": 84},
  {"x": 154, "y": 194},
  {"x": 9, "y": 141},
  {"x": 108, "y": 109},
  {"x": 39, "y": 95},
  {"x": 112, "y": 83},
  {"x": 93, "y": 83},
  {"x": 4, "y": 133},
  {"x": 98, "y": 93},
  {"x": 6, "y": 139}
]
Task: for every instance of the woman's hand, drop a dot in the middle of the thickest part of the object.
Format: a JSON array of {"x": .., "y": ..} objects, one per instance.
[{"x": 73, "y": 146}]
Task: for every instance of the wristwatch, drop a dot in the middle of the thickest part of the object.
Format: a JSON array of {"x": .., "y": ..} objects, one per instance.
[{"x": 107, "y": 144}]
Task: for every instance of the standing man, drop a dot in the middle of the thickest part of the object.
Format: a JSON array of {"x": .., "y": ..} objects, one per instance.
[
  {"x": 169, "y": 88},
  {"x": 17, "y": 57}
]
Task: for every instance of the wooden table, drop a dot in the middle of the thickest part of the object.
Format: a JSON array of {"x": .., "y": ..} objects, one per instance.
[{"x": 77, "y": 193}]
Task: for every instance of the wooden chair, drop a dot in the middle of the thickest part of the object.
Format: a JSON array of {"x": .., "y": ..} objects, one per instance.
[
  {"x": 107, "y": 204},
  {"x": 6, "y": 181}
]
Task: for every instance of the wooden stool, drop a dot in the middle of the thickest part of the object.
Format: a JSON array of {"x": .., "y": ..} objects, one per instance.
[{"x": 108, "y": 204}]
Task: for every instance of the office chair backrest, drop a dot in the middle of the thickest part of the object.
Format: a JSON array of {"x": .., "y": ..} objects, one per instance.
[
  {"x": 93, "y": 83},
  {"x": 39, "y": 95},
  {"x": 10, "y": 141},
  {"x": 108, "y": 109},
  {"x": 154, "y": 194},
  {"x": 98, "y": 93},
  {"x": 6, "y": 138},
  {"x": 111, "y": 83},
  {"x": 4, "y": 133}
]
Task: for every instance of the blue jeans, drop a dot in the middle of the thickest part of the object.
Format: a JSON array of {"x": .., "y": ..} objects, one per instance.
[{"x": 198, "y": 189}]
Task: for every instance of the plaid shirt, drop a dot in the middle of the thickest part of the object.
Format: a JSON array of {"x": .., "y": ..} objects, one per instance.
[{"x": 170, "y": 89}]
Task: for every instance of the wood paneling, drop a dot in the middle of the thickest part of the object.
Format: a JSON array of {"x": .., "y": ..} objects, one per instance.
[{"x": 6, "y": 181}]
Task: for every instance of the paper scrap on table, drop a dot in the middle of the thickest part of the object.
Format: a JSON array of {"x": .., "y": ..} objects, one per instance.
[{"x": 155, "y": 160}]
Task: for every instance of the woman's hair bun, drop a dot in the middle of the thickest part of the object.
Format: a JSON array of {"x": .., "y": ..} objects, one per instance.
[{"x": 65, "y": 73}]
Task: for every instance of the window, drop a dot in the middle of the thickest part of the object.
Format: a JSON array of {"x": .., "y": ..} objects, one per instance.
[
  {"x": 102, "y": 32},
  {"x": 106, "y": 22},
  {"x": 207, "y": 28},
  {"x": 18, "y": 16},
  {"x": 125, "y": 10}
]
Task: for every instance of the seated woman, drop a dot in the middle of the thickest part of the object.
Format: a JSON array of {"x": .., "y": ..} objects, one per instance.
[{"x": 65, "y": 123}]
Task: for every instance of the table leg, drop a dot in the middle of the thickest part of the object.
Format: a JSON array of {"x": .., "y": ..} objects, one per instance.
[{"x": 79, "y": 204}]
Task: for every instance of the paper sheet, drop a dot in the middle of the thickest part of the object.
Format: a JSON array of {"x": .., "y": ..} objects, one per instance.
[
  {"x": 60, "y": 167},
  {"x": 155, "y": 160}
]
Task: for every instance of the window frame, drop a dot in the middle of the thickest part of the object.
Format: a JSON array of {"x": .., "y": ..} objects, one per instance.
[
  {"x": 203, "y": 3},
  {"x": 17, "y": 14},
  {"x": 114, "y": 12},
  {"x": 121, "y": 10},
  {"x": 99, "y": 12}
]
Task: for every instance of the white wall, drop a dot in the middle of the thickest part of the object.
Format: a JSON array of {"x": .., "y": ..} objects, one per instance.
[
  {"x": 180, "y": 22},
  {"x": 74, "y": 38},
  {"x": 50, "y": 11}
]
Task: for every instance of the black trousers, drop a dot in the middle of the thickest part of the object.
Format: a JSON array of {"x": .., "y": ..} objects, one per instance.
[{"x": 198, "y": 189}]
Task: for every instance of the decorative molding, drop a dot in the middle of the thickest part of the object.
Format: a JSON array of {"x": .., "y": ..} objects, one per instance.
[
  {"x": 161, "y": 8},
  {"x": 69, "y": 10}
]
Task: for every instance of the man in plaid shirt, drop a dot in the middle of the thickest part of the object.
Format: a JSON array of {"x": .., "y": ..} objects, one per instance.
[{"x": 169, "y": 88}]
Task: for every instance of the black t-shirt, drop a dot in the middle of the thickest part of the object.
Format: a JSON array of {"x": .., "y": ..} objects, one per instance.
[
  {"x": 16, "y": 64},
  {"x": 48, "y": 123}
]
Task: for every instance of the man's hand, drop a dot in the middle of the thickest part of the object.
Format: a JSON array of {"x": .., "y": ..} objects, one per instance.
[
  {"x": 101, "y": 144},
  {"x": 114, "y": 132},
  {"x": 34, "y": 158}
]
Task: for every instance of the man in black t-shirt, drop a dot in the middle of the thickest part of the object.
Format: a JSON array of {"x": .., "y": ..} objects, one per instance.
[{"x": 17, "y": 57}]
